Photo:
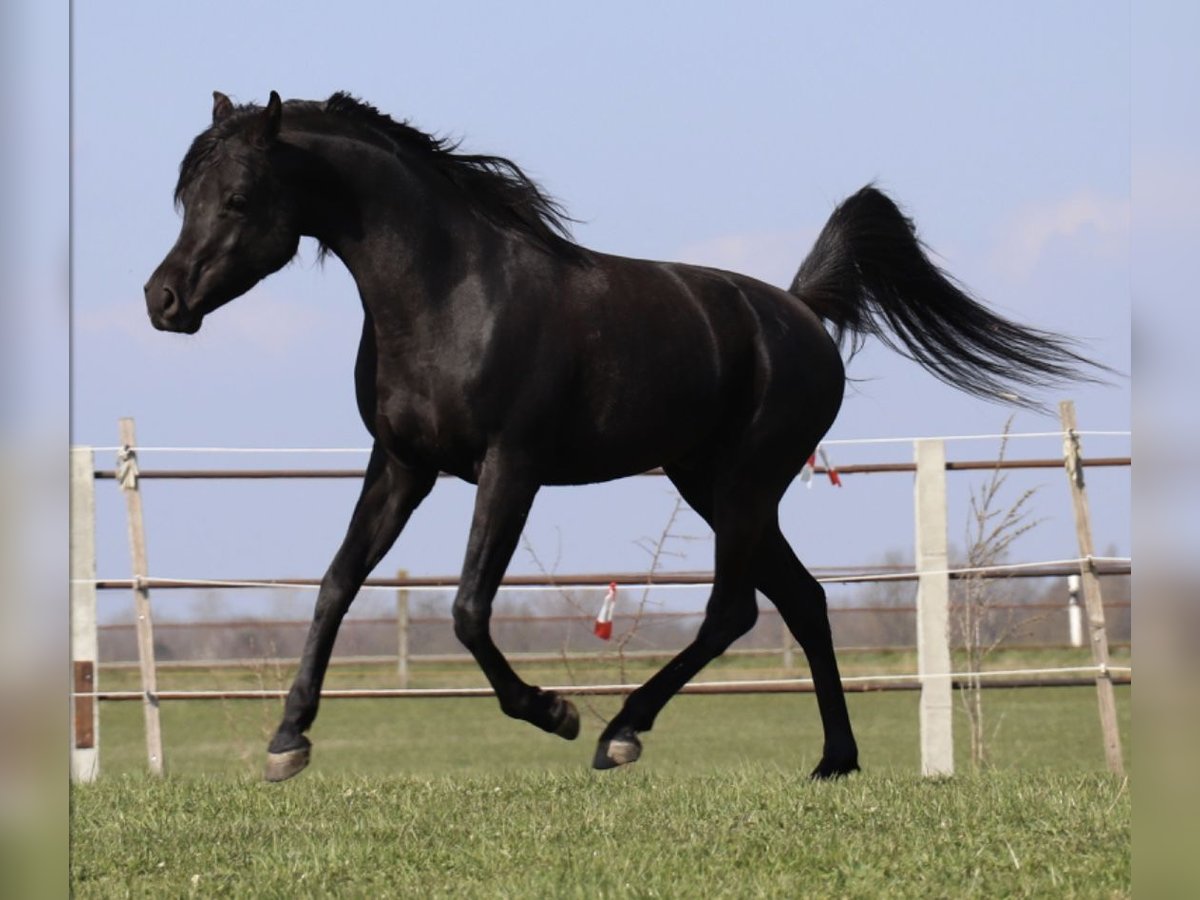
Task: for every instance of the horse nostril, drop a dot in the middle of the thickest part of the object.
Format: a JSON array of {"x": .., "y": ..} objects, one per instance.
[{"x": 170, "y": 303}]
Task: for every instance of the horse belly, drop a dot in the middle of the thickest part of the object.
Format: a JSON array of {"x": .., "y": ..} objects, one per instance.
[
  {"x": 646, "y": 401},
  {"x": 642, "y": 438}
]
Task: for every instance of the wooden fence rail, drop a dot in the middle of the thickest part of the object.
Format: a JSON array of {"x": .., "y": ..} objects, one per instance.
[
  {"x": 519, "y": 656},
  {"x": 603, "y": 690},
  {"x": 973, "y": 465},
  {"x": 593, "y": 580}
]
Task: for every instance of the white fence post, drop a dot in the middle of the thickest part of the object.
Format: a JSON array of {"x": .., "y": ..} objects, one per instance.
[
  {"x": 933, "y": 610},
  {"x": 85, "y": 713},
  {"x": 1074, "y": 611}
]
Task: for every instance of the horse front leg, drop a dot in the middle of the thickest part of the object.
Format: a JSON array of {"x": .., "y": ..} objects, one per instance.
[
  {"x": 390, "y": 493},
  {"x": 502, "y": 504}
]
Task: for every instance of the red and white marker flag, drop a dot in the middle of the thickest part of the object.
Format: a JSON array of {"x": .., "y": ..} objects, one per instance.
[
  {"x": 834, "y": 478},
  {"x": 603, "y": 627}
]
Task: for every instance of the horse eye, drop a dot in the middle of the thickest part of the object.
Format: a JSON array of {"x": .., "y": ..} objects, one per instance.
[{"x": 236, "y": 202}]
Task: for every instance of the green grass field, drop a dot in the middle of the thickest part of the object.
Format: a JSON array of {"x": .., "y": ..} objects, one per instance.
[
  {"x": 749, "y": 831},
  {"x": 450, "y": 798}
]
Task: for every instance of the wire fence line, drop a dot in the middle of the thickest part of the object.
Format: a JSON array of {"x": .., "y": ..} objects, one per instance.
[
  {"x": 834, "y": 442},
  {"x": 864, "y": 683},
  {"x": 599, "y": 657},
  {"x": 580, "y": 618}
]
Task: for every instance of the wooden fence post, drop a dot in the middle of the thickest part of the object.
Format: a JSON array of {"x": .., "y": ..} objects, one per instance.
[
  {"x": 933, "y": 610},
  {"x": 1097, "y": 633},
  {"x": 402, "y": 632},
  {"x": 85, "y": 712},
  {"x": 127, "y": 475}
]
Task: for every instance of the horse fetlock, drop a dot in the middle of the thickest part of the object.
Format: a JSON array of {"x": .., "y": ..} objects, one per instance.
[
  {"x": 545, "y": 709},
  {"x": 566, "y": 717},
  {"x": 288, "y": 738}
]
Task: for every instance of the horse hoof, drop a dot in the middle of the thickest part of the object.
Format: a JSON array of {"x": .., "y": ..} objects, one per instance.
[
  {"x": 620, "y": 750},
  {"x": 282, "y": 766},
  {"x": 568, "y": 719}
]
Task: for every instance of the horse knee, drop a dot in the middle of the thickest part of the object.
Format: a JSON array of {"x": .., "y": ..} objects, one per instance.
[{"x": 470, "y": 623}]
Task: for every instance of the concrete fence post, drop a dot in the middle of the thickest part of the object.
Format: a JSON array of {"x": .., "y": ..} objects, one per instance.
[
  {"x": 933, "y": 610},
  {"x": 1074, "y": 612}
]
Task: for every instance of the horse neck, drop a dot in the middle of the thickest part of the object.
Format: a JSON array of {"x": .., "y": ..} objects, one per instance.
[{"x": 386, "y": 220}]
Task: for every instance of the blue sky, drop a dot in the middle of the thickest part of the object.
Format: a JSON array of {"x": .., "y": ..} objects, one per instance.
[{"x": 697, "y": 132}]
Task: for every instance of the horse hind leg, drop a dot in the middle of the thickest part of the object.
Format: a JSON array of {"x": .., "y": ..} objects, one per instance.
[
  {"x": 742, "y": 511},
  {"x": 800, "y": 599}
]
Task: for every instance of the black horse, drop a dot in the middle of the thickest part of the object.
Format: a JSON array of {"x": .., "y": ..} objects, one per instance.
[{"x": 496, "y": 349}]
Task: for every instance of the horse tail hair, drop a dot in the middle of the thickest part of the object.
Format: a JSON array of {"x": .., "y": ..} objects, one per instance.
[{"x": 868, "y": 274}]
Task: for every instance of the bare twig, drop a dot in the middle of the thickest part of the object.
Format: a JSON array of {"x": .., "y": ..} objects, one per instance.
[
  {"x": 571, "y": 601},
  {"x": 656, "y": 548},
  {"x": 991, "y": 531},
  {"x": 659, "y": 548}
]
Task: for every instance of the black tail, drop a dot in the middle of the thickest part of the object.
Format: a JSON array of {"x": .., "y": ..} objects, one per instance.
[{"x": 867, "y": 274}]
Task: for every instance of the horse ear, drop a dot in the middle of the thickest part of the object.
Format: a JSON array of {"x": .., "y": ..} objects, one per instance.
[
  {"x": 222, "y": 106},
  {"x": 268, "y": 124}
]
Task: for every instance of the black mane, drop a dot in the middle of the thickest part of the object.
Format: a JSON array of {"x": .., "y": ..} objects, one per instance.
[{"x": 495, "y": 187}]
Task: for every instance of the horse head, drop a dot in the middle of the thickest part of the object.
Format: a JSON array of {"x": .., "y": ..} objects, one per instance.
[{"x": 239, "y": 224}]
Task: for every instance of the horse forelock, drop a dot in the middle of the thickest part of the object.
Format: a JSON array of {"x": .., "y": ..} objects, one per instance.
[
  {"x": 200, "y": 154},
  {"x": 206, "y": 147}
]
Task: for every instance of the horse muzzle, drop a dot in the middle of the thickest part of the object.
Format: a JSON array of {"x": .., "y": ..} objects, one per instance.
[{"x": 167, "y": 310}]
